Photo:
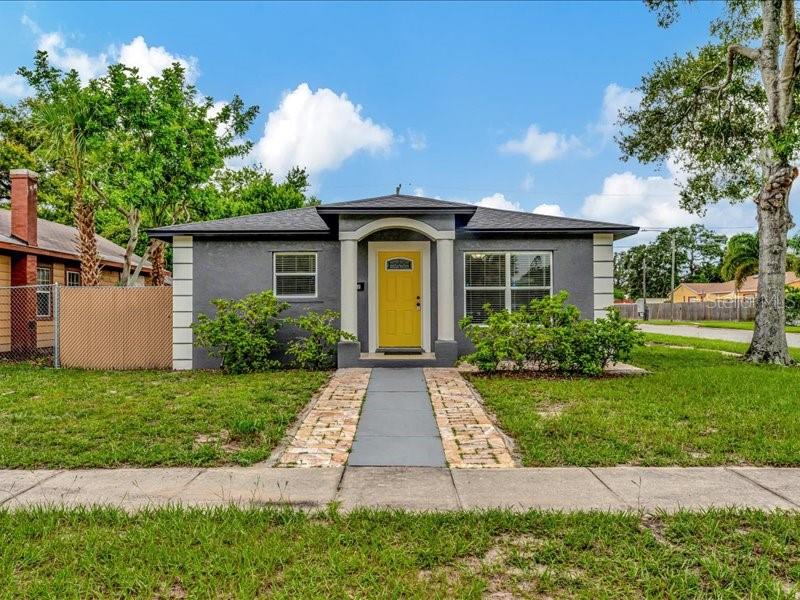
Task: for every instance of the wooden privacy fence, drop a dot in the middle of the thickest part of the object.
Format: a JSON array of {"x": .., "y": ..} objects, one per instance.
[
  {"x": 115, "y": 327},
  {"x": 720, "y": 310}
]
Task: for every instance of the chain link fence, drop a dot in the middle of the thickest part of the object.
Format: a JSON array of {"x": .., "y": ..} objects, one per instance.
[{"x": 87, "y": 327}]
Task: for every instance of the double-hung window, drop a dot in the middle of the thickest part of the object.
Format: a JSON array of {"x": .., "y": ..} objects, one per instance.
[
  {"x": 504, "y": 280},
  {"x": 295, "y": 274},
  {"x": 44, "y": 279},
  {"x": 73, "y": 278}
]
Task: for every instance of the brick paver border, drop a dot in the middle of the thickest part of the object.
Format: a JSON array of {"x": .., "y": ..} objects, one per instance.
[
  {"x": 470, "y": 439},
  {"x": 325, "y": 436}
]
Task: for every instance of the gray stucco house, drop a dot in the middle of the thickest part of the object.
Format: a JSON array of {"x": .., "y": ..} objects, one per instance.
[{"x": 401, "y": 270}]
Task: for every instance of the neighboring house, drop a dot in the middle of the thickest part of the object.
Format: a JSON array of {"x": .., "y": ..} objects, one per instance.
[
  {"x": 34, "y": 251},
  {"x": 401, "y": 270},
  {"x": 710, "y": 292}
]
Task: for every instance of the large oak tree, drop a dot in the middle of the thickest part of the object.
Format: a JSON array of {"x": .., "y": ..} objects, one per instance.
[{"x": 728, "y": 113}]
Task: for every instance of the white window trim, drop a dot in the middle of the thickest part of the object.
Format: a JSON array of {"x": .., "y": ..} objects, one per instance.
[
  {"x": 44, "y": 288},
  {"x": 507, "y": 287},
  {"x": 72, "y": 272},
  {"x": 275, "y": 274}
]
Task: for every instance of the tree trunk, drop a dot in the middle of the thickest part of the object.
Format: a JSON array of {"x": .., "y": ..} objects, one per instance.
[
  {"x": 774, "y": 221},
  {"x": 87, "y": 243},
  {"x": 158, "y": 262},
  {"x": 134, "y": 220}
]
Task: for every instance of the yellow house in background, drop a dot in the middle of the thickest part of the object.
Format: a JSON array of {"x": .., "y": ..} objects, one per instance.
[{"x": 709, "y": 292}]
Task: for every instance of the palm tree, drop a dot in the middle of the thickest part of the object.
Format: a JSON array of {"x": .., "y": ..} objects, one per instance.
[
  {"x": 67, "y": 117},
  {"x": 741, "y": 258}
]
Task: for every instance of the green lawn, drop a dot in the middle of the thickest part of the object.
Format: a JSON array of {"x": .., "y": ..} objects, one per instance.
[
  {"x": 748, "y": 325},
  {"x": 74, "y": 418},
  {"x": 696, "y": 408},
  {"x": 230, "y": 553}
]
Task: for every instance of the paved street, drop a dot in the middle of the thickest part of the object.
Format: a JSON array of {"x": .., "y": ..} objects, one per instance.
[
  {"x": 416, "y": 489},
  {"x": 712, "y": 333}
]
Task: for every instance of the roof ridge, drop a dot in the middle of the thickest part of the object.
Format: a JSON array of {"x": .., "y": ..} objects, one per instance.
[{"x": 559, "y": 217}]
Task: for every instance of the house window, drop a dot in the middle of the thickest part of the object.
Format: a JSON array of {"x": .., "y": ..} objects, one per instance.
[
  {"x": 44, "y": 279},
  {"x": 504, "y": 280},
  {"x": 399, "y": 264},
  {"x": 295, "y": 274},
  {"x": 73, "y": 278}
]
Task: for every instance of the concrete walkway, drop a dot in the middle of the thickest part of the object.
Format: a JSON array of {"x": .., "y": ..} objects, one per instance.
[
  {"x": 426, "y": 488},
  {"x": 712, "y": 333},
  {"x": 397, "y": 426}
]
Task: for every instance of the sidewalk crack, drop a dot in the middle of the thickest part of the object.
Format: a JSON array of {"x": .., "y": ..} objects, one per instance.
[
  {"x": 763, "y": 487},
  {"x": 29, "y": 488},
  {"x": 612, "y": 492}
]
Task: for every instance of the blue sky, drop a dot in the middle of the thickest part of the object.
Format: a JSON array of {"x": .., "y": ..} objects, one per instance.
[{"x": 505, "y": 104}]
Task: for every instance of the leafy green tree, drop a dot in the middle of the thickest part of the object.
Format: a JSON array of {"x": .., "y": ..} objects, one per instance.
[
  {"x": 68, "y": 121},
  {"x": 727, "y": 113},
  {"x": 251, "y": 190},
  {"x": 164, "y": 147},
  {"x": 741, "y": 258},
  {"x": 698, "y": 254}
]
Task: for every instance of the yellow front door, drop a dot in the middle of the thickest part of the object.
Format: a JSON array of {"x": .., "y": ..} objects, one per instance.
[{"x": 399, "y": 300}]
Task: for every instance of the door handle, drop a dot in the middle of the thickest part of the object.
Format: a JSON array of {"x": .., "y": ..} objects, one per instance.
[{"x": 419, "y": 303}]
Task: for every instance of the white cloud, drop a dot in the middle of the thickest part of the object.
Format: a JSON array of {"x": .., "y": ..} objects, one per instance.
[
  {"x": 417, "y": 140},
  {"x": 554, "y": 210},
  {"x": 540, "y": 146},
  {"x": 498, "y": 200},
  {"x": 317, "y": 130},
  {"x": 418, "y": 191},
  {"x": 150, "y": 60},
  {"x": 527, "y": 183},
  {"x": 615, "y": 99},
  {"x": 13, "y": 86},
  {"x": 654, "y": 202}
]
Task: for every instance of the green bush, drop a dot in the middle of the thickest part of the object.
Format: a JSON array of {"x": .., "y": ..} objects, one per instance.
[
  {"x": 317, "y": 349},
  {"x": 792, "y": 305},
  {"x": 243, "y": 332},
  {"x": 550, "y": 335}
]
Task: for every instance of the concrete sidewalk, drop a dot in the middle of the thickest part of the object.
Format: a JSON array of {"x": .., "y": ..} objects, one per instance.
[{"x": 410, "y": 488}]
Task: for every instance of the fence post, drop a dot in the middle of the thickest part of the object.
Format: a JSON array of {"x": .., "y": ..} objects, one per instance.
[{"x": 56, "y": 326}]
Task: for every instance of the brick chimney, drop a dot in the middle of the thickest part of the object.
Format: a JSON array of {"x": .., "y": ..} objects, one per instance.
[{"x": 23, "y": 205}]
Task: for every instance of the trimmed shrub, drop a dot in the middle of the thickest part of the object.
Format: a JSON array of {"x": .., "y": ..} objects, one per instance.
[
  {"x": 550, "y": 335},
  {"x": 317, "y": 349},
  {"x": 243, "y": 332},
  {"x": 792, "y": 305}
]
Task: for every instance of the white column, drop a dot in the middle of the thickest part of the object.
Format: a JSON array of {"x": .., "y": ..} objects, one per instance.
[
  {"x": 603, "y": 272},
  {"x": 348, "y": 275},
  {"x": 444, "y": 278},
  {"x": 182, "y": 298}
]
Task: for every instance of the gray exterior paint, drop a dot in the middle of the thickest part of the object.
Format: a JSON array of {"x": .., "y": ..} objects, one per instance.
[
  {"x": 233, "y": 269},
  {"x": 437, "y": 221},
  {"x": 234, "y": 257},
  {"x": 572, "y": 269}
]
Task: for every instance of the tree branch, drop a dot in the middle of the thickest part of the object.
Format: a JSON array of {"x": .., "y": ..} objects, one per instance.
[
  {"x": 734, "y": 49},
  {"x": 790, "y": 58}
]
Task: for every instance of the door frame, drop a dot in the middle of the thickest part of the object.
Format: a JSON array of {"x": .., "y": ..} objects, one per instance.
[{"x": 424, "y": 248}]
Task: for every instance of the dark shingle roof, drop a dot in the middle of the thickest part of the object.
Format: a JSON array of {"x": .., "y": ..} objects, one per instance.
[
  {"x": 308, "y": 220},
  {"x": 494, "y": 219},
  {"x": 294, "y": 220},
  {"x": 397, "y": 203},
  {"x": 55, "y": 237}
]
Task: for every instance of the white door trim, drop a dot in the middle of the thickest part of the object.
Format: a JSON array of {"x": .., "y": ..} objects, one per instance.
[{"x": 424, "y": 247}]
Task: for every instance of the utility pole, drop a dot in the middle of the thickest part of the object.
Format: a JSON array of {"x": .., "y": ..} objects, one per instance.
[
  {"x": 672, "y": 289},
  {"x": 644, "y": 287}
]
